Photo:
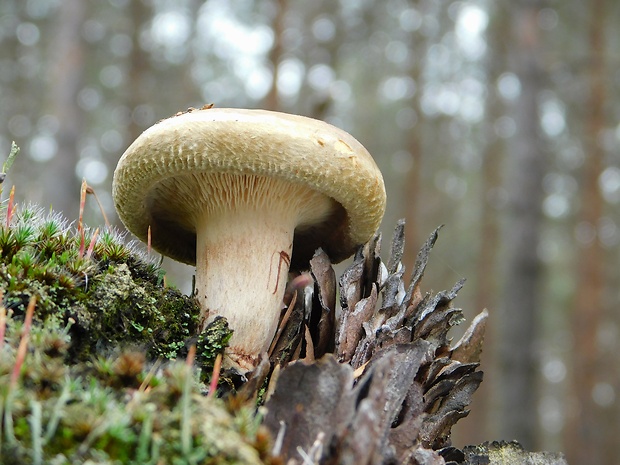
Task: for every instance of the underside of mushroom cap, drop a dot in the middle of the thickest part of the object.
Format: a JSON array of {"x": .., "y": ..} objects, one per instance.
[{"x": 181, "y": 150}]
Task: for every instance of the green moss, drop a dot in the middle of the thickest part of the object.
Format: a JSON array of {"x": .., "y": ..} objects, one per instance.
[
  {"x": 99, "y": 383},
  {"x": 212, "y": 341},
  {"x": 87, "y": 412},
  {"x": 114, "y": 296},
  {"x": 120, "y": 308}
]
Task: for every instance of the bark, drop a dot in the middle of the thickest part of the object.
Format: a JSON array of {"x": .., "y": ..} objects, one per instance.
[
  {"x": 520, "y": 296},
  {"x": 586, "y": 430}
]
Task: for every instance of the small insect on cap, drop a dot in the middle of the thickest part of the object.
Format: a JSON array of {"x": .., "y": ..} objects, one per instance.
[{"x": 215, "y": 183}]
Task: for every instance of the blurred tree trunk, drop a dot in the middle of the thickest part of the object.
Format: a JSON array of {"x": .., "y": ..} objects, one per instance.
[
  {"x": 321, "y": 104},
  {"x": 492, "y": 157},
  {"x": 139, "y": 67},
  {"x": 475, "y": 428},
  {"x": 587, "y": 432},
  {"x": 60, "y": 184},
  {"x": 412, "y": 194},
  {"x": 413, "y": 184},
  {"x": 525, "y": 169},
  {"x": 272, "y": 100}
]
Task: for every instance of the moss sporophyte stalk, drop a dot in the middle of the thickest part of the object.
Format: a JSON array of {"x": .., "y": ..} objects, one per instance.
[{"x": 94, "y": 376}]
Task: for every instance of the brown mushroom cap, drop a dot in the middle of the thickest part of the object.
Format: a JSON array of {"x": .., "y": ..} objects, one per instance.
[{"x": 155, "y": 176}]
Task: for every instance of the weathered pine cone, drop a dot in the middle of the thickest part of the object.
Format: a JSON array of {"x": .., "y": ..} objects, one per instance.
[{"x": 376, "y": 381}]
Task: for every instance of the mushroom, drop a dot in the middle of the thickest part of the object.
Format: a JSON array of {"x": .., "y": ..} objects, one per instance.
[{"x": 245, "y": 195}]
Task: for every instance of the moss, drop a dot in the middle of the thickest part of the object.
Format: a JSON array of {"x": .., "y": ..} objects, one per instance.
[
  {"x": 99, "y": 382},
  {"x": 86, "y": 413},
  {"x": 212, "y": 341},
  {"x": 112, "y": 294},
  {"x": 122, "y": 309}
]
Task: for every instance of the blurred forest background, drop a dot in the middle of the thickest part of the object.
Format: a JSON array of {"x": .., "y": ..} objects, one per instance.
[{"x": 496, "y": 118}]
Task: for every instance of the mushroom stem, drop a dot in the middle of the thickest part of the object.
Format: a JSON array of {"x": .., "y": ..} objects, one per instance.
[
  {"x": 242, "y": 264},
  {"x": 244, "y": 240}
]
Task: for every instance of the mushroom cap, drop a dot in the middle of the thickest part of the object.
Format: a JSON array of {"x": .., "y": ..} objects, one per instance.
[{"x": 301, "y": 150}]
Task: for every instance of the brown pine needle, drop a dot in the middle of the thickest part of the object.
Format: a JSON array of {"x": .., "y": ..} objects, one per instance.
[
  {"x": 2, "y": 320},
  {"x": 23, "y": 343},
  {"x": 148, "y": 241},
  {"x": 10, "y": 208},
  {"x": 282, "y": 324},
  {"x": 359, "y": 371},
  {"x": 309, "y": 345},
  {"x": 82, "y": 203},
  {"x": 82, "y": 242},
  {"x": 217, "y": 366},
  {"x": 149, "y": 376},
  {"x": 191, "y": 354},
  {"x": 91, "y": 246}
]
